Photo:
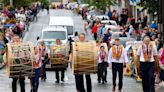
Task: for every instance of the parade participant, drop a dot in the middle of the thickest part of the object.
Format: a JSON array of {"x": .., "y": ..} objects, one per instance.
[
  {"x": 45, "y": 56},
  {"x": 79, "y": 77},
  {"x": 147, "y": 54},
  {"x": 16, "y": 39},
  {"x": 162, "y": 69},
  {"x": 37, "y": 67},
  {"x": 117, "y": 58},
  {"x": 102, "y": 65},
  {"x": 58, "y": 43}
]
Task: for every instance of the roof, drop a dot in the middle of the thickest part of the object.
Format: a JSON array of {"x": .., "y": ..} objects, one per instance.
[
  {"x": 66, "y": 21},
  {"x": 55, "y": 28}
]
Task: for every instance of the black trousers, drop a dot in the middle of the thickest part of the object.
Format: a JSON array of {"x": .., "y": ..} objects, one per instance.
[
  {"x": 117, "y": 67},
  {"x": 22, "y": 84},
  {"x": 80, "y": 83},
  {"x": 62, "y": 75},
  {"x": 95, "y": 36},
  {"x": 102, "y": 71},
  {"x": 148, "y": 77}
]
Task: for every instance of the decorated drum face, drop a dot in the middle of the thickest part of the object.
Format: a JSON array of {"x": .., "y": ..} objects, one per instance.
[
  {"x": 85, "y": 57},
  {"x": 58, "y": 55},
  {"x": 20, "y": 59}
]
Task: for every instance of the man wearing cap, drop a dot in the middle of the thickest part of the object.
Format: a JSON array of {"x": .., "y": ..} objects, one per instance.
[
  {"x": 117, "y": 57},
  {"x": 45, "y": 55},
  {"x": 147, "y": 54}
]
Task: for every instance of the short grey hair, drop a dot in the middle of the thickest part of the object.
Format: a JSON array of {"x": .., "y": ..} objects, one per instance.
[{"x": 146, "y": 38}]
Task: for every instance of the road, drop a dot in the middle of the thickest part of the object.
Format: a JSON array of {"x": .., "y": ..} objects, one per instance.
[{"x": 49, "y": 85}]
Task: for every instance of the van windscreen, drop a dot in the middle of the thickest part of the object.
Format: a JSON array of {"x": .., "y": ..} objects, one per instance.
[{"x": 54, "y": 35}]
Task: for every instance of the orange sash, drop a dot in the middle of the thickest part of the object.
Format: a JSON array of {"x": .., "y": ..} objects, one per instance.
[
  {"x": 147, "y": 57},
  {"x": 117, "y": 55}
]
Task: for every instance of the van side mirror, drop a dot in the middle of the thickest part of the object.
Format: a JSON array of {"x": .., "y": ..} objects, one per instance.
[{"x": 76, "y": 33}]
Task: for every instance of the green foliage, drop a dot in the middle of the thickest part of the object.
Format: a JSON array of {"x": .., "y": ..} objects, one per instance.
[
  {"x": 20, "y": 3},
  {"x": 100, "y": 4},
  {"x": 151, "y": 5}
]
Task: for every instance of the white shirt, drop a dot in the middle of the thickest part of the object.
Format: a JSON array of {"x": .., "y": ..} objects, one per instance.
[
  {"x": 140, "y": 53},
  {"x": 123, "y": 58}
]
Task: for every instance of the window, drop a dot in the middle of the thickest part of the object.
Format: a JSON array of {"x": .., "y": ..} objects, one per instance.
[
  {"x": 54, "y": 35},
  {"x": 70, "y": 30}
]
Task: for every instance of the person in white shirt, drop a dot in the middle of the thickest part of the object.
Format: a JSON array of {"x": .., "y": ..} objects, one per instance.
[
  {"x": 45, "y": 58},
  {"x": 147, "y": 53},
  {"x": 102, "y": 65},
  {"x": 117, "y": 57},
  {"x": 37, "y": 67}
]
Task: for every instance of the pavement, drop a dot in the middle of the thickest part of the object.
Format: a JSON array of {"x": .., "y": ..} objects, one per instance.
[{"x": 129, "y": 84}]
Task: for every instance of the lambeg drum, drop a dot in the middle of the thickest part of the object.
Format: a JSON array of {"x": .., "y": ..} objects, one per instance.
[
  {"x": 59, "y": 56},
  {"x": 85, "y": 57},
  {"x": 20, "y": 59}
]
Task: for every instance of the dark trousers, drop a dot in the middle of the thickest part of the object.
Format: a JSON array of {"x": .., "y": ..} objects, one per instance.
[
  {"x": 80, "y": 83},
  {"x": 35, "y": 80},
  {"x": 117, "y": 67},
  {"x": 62, "y": 75},
  {"x": 162, "y": 74},
  {"x": 22, "y": 84},
  {"x": 102, "y": 71},
  {"x": 43, "y": 68},
  {"x": 95, "y": 36},
  {"x": 148, "y": 77}
]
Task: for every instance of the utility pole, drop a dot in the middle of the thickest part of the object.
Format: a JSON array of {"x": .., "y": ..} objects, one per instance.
[{"x": 161, "y": 18}]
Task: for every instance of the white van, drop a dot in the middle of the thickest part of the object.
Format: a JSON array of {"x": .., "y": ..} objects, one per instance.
[
  {"x": 51, "y": 33},
  {"x": 63, "y": 21}
]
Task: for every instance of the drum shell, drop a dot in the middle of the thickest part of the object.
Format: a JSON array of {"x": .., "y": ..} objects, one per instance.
[
  {"x": 20, "y": 59},
  {"x": 85, "y": 57}
]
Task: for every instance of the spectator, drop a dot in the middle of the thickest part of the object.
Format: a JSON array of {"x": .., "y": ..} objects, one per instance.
[
  {"x": 94, "y": 31},
  {"x": 154, "y": 25},
  {"x": 158, "y": 44},
  {"x": 123, "y": 34},
  {"x": 162, "y": 69},
  {"x": 132, "y": 32},
  {"x": 107, "y": 35}
]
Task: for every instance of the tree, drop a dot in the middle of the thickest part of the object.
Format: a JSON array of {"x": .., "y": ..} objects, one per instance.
[
  {"x": 151, "y": 5},
  {"x": 100, "y": 4},
  {"x": 17, "y": 3}
]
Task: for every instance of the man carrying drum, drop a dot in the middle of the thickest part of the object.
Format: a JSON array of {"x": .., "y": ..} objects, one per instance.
[
  {"x": 45, "y": 57},
  {"x": 62, "y": 69},
  {"x": 79, "y": 77},
  {"x": 17, "y": 40},
  {"x": 117, "y": 58},
  {"x": 147, "y": 54}
]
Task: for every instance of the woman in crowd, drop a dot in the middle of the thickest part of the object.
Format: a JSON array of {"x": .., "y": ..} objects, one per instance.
[{"x": 162, "y": 68}]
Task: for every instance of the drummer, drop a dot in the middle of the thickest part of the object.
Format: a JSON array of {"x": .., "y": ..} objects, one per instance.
[
  {"x": 45, "y": 57},
  {"x": 79, "y": 77},
  {"x": 147, "y": 54},
  {"x": 58, "y": 42},
  {"x": 117, "y": 58},
  {"x": 16, "y": 39}
]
